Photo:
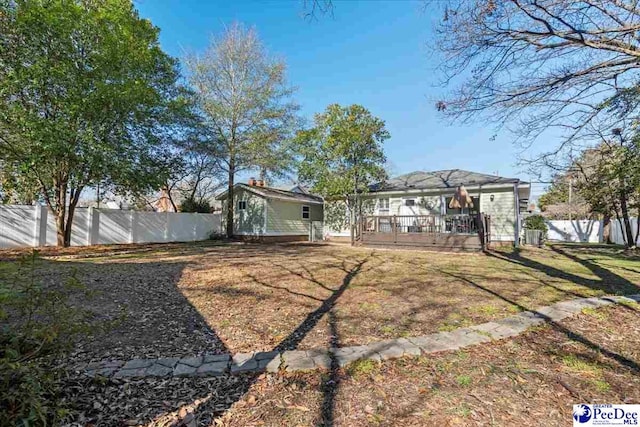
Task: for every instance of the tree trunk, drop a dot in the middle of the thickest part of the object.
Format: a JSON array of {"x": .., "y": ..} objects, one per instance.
[
  {"x": 619, "y": 219},
  {"x": 73, "y": 202},
  {"x": 606, "y": 229},
  {"x": 67, "y": 229},
  {"x": 627, "y": 222},
  {"x": 60, "y": 227},
  {"x": 230, "y": 203},
  {"x": 60, "y": 187},
  {"x": 173, "y": 204},
  {"x": 351, "y": 210}
]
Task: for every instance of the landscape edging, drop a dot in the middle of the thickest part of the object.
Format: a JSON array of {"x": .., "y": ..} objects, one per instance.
[{"x": 304, "y": 360}]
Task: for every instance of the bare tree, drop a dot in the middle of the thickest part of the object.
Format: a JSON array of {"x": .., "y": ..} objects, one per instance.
[
  {"x": 243, "y": 96},
  {"x": 315, "y": 8},
  {"x": 533, "y": 65},
  {"x": 611, "y": 181},
  {"x": 195, "y": 176},
  {"x": 203, "y": 180},
  {"x": 605, "y": 181}
]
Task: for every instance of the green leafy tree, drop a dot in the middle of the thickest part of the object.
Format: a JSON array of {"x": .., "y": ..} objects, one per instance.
[
  {"x": 557, "y": 193},
  {"x": 15, "y": 188},
  {"x": 245, "y": 103},
  {"x": 342, "y": 155},
  {"x": 86, "y": 96}
]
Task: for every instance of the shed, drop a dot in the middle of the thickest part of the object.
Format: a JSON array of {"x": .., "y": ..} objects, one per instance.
[{"x": 273, "y": 214}]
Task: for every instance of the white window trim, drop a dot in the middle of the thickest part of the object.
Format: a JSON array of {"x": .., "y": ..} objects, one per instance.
[
  {"x": 384, "y": 210},
  {"x": 308, "y": 211}
]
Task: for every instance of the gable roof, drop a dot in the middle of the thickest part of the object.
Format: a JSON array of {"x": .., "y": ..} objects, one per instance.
[
  {"x": 449, "y": 178},
  {"x": 275, "y": 193}
]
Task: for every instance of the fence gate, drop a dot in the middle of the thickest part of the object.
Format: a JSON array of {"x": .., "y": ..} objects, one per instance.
[{"x": 533, "y": 237}]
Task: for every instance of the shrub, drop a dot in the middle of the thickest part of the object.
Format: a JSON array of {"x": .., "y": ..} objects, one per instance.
[
  {"x": 536, "y": 222},
  {"x": 192, "y": 205},
  {"x": 37, "y": 326}
]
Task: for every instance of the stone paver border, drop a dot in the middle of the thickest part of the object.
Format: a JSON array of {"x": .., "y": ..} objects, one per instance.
[{"x": 302, "y": 360}]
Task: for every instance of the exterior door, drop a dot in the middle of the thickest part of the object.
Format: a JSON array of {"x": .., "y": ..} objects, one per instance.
[{"x": 316, "y": 231}]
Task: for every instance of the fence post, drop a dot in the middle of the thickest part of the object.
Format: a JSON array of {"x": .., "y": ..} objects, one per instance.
[
  {"x": 198, "y": 218},
  {"x": 93, "y": 226},
  {"x": 40, "y": 226},
  {"x": 395, "y": 229},
  {"x": 166, "y": 227},
  {"x": 133, "y": 235}
]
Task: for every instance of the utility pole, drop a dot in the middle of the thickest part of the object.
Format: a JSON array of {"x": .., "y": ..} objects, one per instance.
[{"x": 570, "y": 194}]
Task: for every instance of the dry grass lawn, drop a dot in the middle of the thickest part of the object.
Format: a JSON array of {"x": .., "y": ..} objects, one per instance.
[
  {"x": 186, "y": 299},
  {"x": 531, "y": 380},
  {"x": 165, "y": 300}
]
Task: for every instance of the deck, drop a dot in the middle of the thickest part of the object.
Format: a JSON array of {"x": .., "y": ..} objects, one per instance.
[{"x": 435, "y": 232}]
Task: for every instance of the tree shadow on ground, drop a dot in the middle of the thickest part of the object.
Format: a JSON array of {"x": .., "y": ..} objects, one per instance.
[
  {"x": 213, "y": 397},
  {"x": 155, "y": 285},
  {"x": 606, "y": 281},
  {"x": 331, "y": 382},
  {"x": 136, "y": 310},
  {"x": 554, "y": 324}
]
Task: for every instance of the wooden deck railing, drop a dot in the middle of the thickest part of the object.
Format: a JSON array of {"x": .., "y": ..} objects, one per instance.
[
  {"x": 458, "y": 224},
  {"x": 396, "y": 229}
]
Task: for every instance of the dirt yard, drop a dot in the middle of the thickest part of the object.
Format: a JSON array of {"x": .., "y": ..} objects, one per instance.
[{"x": 171, "y": 300}]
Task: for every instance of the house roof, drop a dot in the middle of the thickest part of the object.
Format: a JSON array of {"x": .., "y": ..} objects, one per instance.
[
  {"x": 275, "y": 193},
  {"x": 449, "y": 178}
]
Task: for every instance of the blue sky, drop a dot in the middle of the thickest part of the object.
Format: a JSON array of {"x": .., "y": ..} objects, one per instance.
[{"x": 373, "y": 53}]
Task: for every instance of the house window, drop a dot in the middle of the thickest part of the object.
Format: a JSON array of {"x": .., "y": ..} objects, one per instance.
[
  {"x": 242, "y": 205},
  {"x": 305, "y": 212},
  {"x": 410, "y": 202},
  {"x": 383, "y": 205}
]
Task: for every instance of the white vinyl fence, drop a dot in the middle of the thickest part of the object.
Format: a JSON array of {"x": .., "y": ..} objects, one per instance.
[
  {"x": 617, "y": 232},
  {"x": 586, "y": 231},
  {"x": 24, "y": 226}
]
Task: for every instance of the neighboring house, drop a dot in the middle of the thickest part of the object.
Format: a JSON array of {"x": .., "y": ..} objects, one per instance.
[
  {"x": 163, "y": 204},
  {"x": 272, "y": 214},
  {"x": 430, "y": 193}
]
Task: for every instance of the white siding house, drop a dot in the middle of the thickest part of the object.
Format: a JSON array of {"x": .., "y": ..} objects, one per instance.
[
  {"x": 429, "y": 193},
  {"x": 273, "y": 214}
]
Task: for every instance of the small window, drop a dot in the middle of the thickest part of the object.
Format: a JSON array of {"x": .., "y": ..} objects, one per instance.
[
  {"x": 383, "y": 204},
  {"x": 242, "y": 205},
  {"x": 305, "y": 212},
  {"x": 410, "y": 202}
]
